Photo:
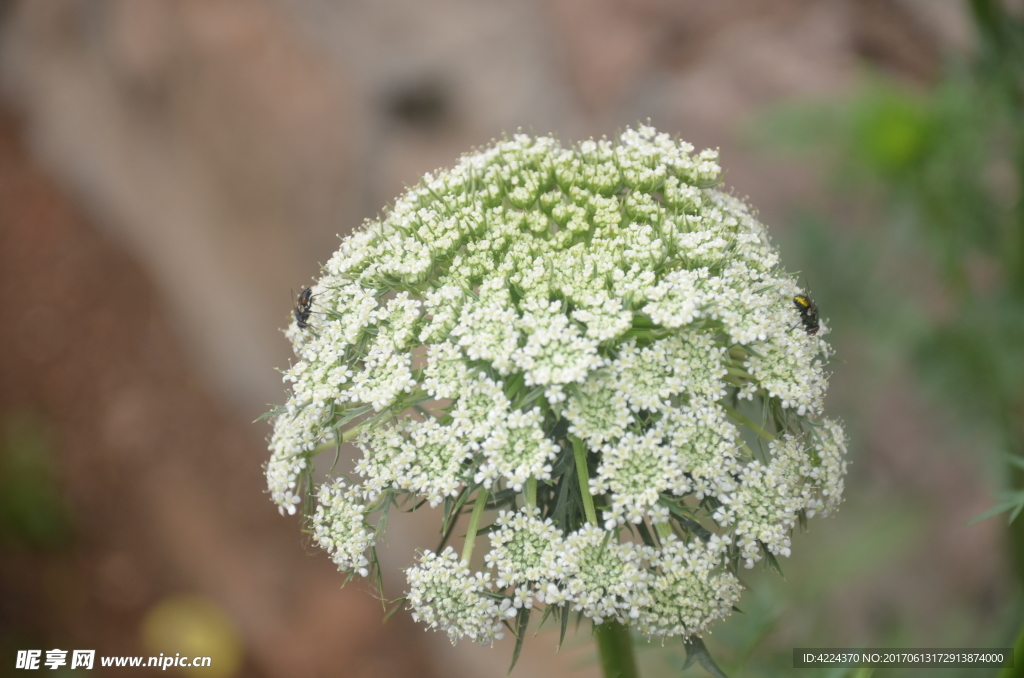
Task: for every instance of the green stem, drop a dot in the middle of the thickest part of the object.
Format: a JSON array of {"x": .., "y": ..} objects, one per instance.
[
  {"x": 474, "y": 524},
  {"x": 615, "y": 646},
  {"x": 756, "y": 428},
  {"x": 738, "y": 354},
  {"x": 746, "y": 448},
  {"x": 614, "y": 643},
  {"x": 351, "y": 433},
  {"x": 531, "y": 492},
  {"x": 579, "y": 450}
]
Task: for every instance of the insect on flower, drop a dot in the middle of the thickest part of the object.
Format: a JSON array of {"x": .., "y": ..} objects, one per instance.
[
  {"x": 303, "y": 306},
  {"x": 808, "y": 312}
]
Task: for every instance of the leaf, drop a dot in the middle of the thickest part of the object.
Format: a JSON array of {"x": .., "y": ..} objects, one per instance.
[
  {"x": 418, "y": 504},
  {"x": 645, "y": 535},
  {"x": 449, "y": 524},
  {"x": 1012, "y": 501},
  {"x": 501, "y": 497},
  {"x": 563, "y": 462},
  {"x": 1015, "y": 461},
  {"x": 493, "y": 527},
  {"x": 396, "y": 606},
  {"x": 994, "y": 511},
  {"x": 1016, "y": 511},
  {"x": 512, "y": 386},
  {"x": 771, "y": 561},
  {"x": 531, "y": 396},
  {"x": 274, "y": 411},
  {"x": 697, "y": 651},
  {"x": 689, "y": 523},
  {"x": 446, "y": 510},
  {"x": 453, "y": 514},
  {"x": 378, "y": 575},
  {"x": 565, "y": 625},
  {"x": 350, "y": 414},
  {"x": 548, "y": 611},
  {"x": 522, "y": 621},
  {"x": 558, "y": 515},
  {"x": 337, "y": 457},
  {"x": 382, "y": 522}
]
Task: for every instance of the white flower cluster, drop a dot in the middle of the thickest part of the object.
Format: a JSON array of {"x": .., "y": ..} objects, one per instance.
[
  {"x": 339, "y": 527},
  {"x": 600, "y": 576},
  {"x": 524, "y": 547},
  {"x": 446, "y": 595},
  {"x": 690, "y": 590},
  {"x": 537, "y": 302}
]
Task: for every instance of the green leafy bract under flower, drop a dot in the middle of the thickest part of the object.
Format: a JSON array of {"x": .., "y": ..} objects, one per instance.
[{"x": 593, "y": 341}]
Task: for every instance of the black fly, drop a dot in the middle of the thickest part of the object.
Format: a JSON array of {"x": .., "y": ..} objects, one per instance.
[
  {"x": 808, "y": 312},
  {"x": 302, "y": 307}
]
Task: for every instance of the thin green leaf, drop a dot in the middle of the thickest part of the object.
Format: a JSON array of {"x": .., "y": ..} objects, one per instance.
[
  {"x": 273, "y": 412},
  {"x": 530, "y": 397},
  {"x": 396, "y": 605},
  {"x": 697, "y": 651},
  {"x": 418, "y": 504},
  {"x": 563, "y": 462},
  {"x": 349, "y": 415},
  {"x": 645, "y": 535},
  {"x": 559, "y": 514},
  {"x": 493, "y": 527},
  {"x": 771, "y": 561},
  {"x": 1013, "y": 503},
  {"x": 453, "y": 515},
  {"x": 548, "y": 611},
  {"x": 522, "y": 621},
  {"x": 995, "y": 510},
  {"x": 499, "y": 499},
  {"x": 1016, "y": 512},
  {"x": 692, "y": 525},
  {"x": 379, "y": 576}
]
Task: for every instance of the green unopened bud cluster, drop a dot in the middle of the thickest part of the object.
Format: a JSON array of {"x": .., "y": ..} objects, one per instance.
[{"x": 593, "y": 351}]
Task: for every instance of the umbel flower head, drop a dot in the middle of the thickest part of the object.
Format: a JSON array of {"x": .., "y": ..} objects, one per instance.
[{"x": 592, "y": 350}]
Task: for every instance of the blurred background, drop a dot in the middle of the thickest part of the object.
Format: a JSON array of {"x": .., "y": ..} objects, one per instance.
[{"x": 171, "y": 171}]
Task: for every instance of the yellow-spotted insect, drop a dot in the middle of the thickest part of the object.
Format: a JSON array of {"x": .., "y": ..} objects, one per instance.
[
  {"x": 303, "y": 307},
  {"x": 808, "y": 312}
]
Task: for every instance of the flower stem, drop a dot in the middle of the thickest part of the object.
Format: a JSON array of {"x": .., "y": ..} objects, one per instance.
[
  {"x": 615, "y": 646},
  {"x": 474, "y": 524},
  {"x": 748, "y": 423},
  {"x": 614, "y": 643},
  {"x": 531, "y": 492},
  {"x": 579, "y": 450}
]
